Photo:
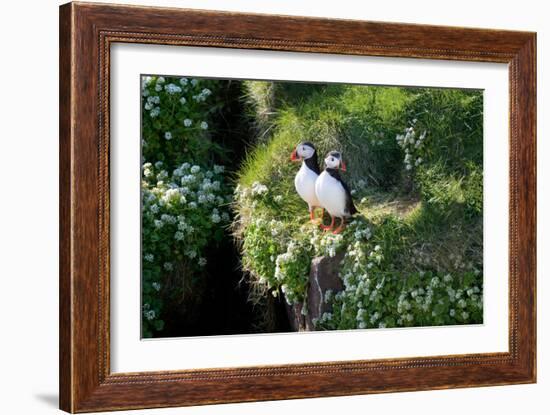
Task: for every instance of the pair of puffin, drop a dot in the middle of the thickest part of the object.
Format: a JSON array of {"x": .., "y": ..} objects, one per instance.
[{"x": 325, "y": 189}]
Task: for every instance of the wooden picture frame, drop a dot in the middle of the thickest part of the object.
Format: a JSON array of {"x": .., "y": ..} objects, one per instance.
[{"x": 86, "y": 33}]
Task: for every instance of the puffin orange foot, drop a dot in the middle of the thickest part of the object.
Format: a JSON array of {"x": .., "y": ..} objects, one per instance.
[
  {"x": 339, "y": 228},
  {"x": 327, "y": 228}
]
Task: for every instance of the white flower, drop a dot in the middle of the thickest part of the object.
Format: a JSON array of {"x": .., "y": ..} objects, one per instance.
[
  {"x": 171, "y": 195},
  {"x": 218, "y": 169},
  {"x": 156, "y": 286},
  {"x": 216, "y": 218},
  {"x": 168, "y": 135},
  {"x": 158, "y": 88},
  {"x": 172, "y": 89},
  {"x": 278, "y": 198},
  {"x": 202, "y": 262},
  {"x": 149, "y": 315},
  {"x": 155, "y": 99},
  {"x": 149, "y": 257},
  {"x": 183, "y": 81},
  {"x": 168, "y": 266},
  {"x": 154, "y": 208},
  {"x": 258, "y": 188},
  {"x": 160, "y": 80},
  {"x": 179, "y": 236},
  {"x": 168, "y": 218},
  {"x": 182, "y": 226},
  {"x": 204, "y": 125},
  {"x": 206, "y": 92},
  {"x": 195, "y": 169},
  {"x": 194, "y": 82},
  {"x": 154, "y": 112},
  {"x": 189, "y": 178},
  {"x": 183, "y": 100},
  {"x": 187, "y": 122}
]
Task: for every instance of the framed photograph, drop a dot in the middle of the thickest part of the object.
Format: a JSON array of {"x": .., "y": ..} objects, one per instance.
[{"x": 258, "y": 207}]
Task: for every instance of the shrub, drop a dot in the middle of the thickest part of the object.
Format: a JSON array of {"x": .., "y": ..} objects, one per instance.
[
  {"x": 182, "y": 213},
  {"x": 184, "y": 195},
  {"x": 176, "y": 120}
]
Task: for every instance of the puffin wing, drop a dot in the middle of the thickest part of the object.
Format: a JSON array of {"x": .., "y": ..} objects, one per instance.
[{"x": 350, "y": 207}]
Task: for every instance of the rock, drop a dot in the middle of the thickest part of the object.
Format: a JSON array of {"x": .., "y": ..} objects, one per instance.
[
  {"x": 323, "y": 276},
  {"x": 295, "y": 318}
]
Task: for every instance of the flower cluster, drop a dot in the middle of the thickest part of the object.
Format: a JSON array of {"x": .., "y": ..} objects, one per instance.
[
  {"x": 292, "y": 270},
  {"x": 412, "y": 145},
  {"x": 176, "y": 115},
  {"x": 182, "y": 212},
  {"x": 375, "y": 298},
  {"x": 376, "y": 294}
]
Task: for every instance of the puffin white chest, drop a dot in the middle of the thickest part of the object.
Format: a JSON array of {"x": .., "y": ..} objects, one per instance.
[
  {"x": 304, "y": 182},
  {"x": 331, "y": 195}
]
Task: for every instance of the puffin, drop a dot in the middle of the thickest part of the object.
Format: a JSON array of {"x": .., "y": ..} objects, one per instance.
[
  {"x": 305, "y": 179},
  {"x": 333, "y": 193}
]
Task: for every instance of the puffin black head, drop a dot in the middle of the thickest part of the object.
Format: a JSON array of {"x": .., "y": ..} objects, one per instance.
[
  {"x": 334, "y": 160},
  {"x": 303, "y": 151}
]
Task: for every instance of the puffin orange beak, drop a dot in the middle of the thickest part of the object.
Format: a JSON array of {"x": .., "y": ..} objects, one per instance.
[
  {"x": 294, "y": 156},
  {"x": 343, "y": 166}
]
